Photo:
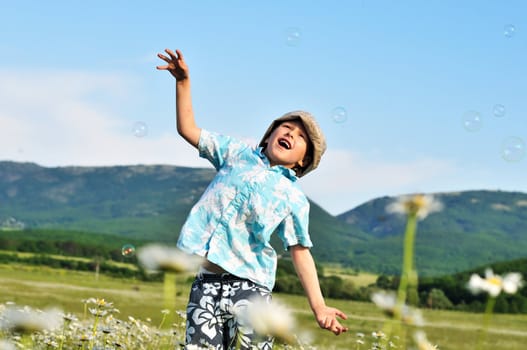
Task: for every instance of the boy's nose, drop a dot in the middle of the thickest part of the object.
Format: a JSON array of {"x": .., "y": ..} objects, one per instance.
[{"x": 293, "y": 132}]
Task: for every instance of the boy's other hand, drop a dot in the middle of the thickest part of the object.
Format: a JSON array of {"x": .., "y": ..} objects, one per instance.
[
  {"x": 327, "y": 319},
  {"x": 176, "y": 64}
]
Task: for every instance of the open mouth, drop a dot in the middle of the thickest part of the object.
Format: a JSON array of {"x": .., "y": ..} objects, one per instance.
[{"x": 284, "y": 143}]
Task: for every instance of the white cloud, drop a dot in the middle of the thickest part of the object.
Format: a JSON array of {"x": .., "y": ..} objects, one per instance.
[
  {"x": 53, "y": 119},
  {"x": 345, "y": 179}
]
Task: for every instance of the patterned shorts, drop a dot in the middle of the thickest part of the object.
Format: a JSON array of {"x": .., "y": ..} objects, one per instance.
[{"x": 214, "y": 302}]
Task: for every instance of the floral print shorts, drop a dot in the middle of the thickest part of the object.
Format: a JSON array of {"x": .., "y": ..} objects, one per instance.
[{"x": 213, "y": 310}]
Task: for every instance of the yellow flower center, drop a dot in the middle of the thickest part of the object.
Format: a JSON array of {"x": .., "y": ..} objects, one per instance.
[
  {"x": 414, "y": 204},
  {"x": 494, "y": 280}
]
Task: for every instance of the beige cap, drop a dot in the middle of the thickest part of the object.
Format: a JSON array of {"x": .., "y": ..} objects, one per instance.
[{"x": 318, "y": 141}]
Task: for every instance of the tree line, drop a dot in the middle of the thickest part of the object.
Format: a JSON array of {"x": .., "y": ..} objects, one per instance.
[
  {"x": 448, "y": 292},
  {"x": 443, "y": 292}
]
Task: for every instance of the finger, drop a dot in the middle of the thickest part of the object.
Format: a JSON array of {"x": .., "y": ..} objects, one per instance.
[
  {"x": 331, "y": 324},
  {"x": 171, "y": 54},
  {"x": 322, "y": 322},
  {"x": 341, "y": 315},
  {"x": 335, "y": 329},
  {"x": 163, "y": 57},
  {"x": 162, "y": 67},
  {"x": 179, "y": 55},
  {"x": 339, "y": 330},
  {"x": 340, "y": 326}
]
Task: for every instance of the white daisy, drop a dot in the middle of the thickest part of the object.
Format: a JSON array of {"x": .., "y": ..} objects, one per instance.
[
  {"x": 422, "y": 341},
  {"x": 420, "y": 205},
  {"x": 156, "y": 257},
  {"x": 494, "y": 284},
  {"x": 28, "y": 320},
  {"x": 273, "y": 319},
  {"x": 387, "y": 302}
]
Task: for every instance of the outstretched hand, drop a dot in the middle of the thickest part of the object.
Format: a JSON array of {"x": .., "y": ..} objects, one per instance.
[
  {"x": 175, "y": 64},
  {"x": 327, "y": 319}
]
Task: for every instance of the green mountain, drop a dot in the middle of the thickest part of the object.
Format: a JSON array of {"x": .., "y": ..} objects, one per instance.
[
  {"x": 146, "y": 202},
  {"x": 474, "y": 228},
  {"x": 150, "y": 203}
]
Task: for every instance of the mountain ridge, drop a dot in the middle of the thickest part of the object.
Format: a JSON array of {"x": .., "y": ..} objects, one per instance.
[{"x": 151, "y": 202}]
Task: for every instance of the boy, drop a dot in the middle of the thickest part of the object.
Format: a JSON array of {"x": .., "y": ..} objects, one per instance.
[{"x": 253, "y": 194}]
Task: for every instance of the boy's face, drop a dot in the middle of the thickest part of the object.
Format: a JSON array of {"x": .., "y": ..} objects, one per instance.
[{"x": 287, "y": 145}]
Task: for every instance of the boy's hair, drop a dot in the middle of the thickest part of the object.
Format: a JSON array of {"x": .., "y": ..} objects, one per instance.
[{"x": 317, "y": 145}]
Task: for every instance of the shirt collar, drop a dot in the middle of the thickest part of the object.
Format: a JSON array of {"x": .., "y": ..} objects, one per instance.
[{"x": 289, "y": 173}]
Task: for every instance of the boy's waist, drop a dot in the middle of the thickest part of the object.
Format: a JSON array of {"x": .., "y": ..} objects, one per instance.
[{"x": 211, "y": 267}]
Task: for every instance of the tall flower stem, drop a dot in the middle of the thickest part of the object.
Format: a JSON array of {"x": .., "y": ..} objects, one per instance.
[
  {"x": 63, "y": 335},
  {"x": 486, "y": 320},
  {"x": 408, "y": 282},
  {"x": 169, "y": 297},
  {"x": 94, "y": 330},
  {"x": 408, "y": 274}
]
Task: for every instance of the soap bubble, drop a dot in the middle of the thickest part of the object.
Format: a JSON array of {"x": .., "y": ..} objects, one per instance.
[
  {"x": 140, "y": 129},
  {"x": 499, "y": 110},
  {"x": 509, "y": 30},
  {"x": 128, "y": 250},
  {"x": 513, "y": 149},
  {"x": 472, "y": 121},
  {"x": 339, "y": 115},
  {"x": 293, "y": 36}
]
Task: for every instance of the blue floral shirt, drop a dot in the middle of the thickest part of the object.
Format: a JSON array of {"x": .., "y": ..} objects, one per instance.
[{"x": 243, "y": 205}]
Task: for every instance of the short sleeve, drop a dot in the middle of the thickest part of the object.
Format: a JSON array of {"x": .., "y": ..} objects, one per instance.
[
  {"x": 294, "y": 230},
  {"x": 217, "y": 148}
]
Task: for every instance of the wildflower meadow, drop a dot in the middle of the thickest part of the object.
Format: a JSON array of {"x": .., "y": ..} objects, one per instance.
[{"x": 50, "y": 308}]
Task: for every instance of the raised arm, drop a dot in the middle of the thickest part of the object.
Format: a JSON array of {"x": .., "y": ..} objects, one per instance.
[
  {"x": 305, "y": 268},
  {"x": 186, "y": 125}
]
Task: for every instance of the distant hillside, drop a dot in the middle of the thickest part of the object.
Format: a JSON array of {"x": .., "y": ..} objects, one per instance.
[
  {"x": 140, "y": 202},
  {"x": 150, "y": 203},
  {"x": 146, "y": 202},
  {"x": 474, "y": 228}
]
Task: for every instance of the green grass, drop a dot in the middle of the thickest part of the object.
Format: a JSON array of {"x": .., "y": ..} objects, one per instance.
[
  {"x": 41, "y": 287},
  {"x": 359, "y": 279},
  {"x": 73, "y": 258}
]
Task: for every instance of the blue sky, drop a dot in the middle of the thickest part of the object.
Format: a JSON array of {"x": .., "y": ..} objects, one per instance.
[{"x": 76, "y": 76}]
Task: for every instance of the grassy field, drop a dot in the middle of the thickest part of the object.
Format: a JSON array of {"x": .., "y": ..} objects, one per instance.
[
  {"x": 359, "y": 279},
  {"x": 74, "y": 258},
  {"x": 40, "y": 287}
]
